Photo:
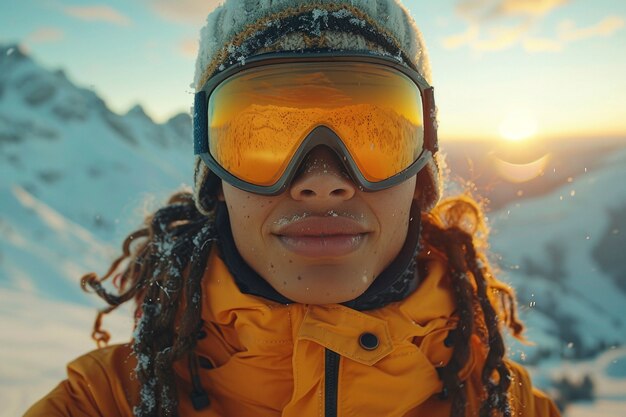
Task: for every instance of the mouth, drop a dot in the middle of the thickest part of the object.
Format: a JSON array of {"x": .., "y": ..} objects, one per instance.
[{"x": 322, "y": 236}]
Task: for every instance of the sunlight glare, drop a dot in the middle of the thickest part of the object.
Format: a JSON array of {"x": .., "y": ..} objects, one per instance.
[
  {"x": 518, "y": 173},
  {"x": 518, "y": 125}
]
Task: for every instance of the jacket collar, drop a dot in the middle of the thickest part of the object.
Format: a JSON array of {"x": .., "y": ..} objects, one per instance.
[{"x": 426, "y": 311}]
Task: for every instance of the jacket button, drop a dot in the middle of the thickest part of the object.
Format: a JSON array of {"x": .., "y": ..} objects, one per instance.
[{"x": 368, "y": 341}]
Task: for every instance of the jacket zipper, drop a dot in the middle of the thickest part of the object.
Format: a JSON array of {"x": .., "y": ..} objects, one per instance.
[{"x": 331, "y": 382}]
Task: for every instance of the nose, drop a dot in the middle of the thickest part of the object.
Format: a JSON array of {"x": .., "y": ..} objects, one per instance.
[{"x": 322, "y": 178}]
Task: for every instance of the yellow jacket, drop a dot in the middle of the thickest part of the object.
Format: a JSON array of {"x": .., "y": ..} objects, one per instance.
[{"x": 261, "y": 358}]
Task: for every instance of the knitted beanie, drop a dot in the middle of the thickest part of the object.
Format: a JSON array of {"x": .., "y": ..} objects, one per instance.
[{"x": 239, "y": 29}]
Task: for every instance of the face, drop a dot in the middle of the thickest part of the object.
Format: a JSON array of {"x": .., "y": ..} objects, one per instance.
[{"x": 323, "y": 240}]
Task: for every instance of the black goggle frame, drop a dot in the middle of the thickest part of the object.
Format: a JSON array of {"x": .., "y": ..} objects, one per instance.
[{"x": 321, "y": 135}]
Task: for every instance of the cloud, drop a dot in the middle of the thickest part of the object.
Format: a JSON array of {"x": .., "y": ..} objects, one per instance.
[
  {"x": 529, "y": 7},
  {"x": 98, "y": 14},
  {"x": 184, "y": 11},
  {"x": 498, "y": 38},
  {"x": 498, "y": 24},
  {"x": 501, "y": 37},
  {"x": 189, "y": 48},
  {"x": 568, "y": 32},
  {"x": 45, "y": 34},
  {"x": 482, "y": 11},
  {"x": 494, "y": 25},
  {"x": 460, "y": 39}
]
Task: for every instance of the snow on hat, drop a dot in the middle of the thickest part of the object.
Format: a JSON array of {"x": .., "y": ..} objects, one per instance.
[{"x": 239, "y": 29}]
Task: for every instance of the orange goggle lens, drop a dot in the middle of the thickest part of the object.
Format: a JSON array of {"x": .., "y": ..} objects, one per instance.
[{"x": 259, "y": 117}]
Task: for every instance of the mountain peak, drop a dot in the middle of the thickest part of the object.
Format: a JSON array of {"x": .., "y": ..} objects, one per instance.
[
  {"x": 13, "y": 51},
  {"x": 180, "y": 124},
  {"x": 180, "y": 118},
  {"x": 138, "y": 111}
]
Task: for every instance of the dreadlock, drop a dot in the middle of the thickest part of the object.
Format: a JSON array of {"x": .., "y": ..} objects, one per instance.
[
  {"x": 162, "y": 267},
  {"x": 455, "y": 230},
  {"x": 163, "y": 264}
]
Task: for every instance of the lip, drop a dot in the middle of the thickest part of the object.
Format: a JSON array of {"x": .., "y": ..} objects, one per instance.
[{"x": 322, "y": 236}]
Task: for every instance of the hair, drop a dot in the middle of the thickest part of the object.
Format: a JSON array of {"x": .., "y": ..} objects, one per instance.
[{"x": 163, "y": 263}]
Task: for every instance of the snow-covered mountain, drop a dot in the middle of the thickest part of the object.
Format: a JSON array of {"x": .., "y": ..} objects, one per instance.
[
  {"x": 564, "y": 253},
  {"x": 73, "y": 175},
  {"x": 75, "y": 178}
]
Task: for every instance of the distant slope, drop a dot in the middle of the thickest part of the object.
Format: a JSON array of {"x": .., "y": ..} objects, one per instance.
[
  {"x": 74, "y": 175},
  {"x": 564, "y": 253},
  {"x": 41, "y": 336}
]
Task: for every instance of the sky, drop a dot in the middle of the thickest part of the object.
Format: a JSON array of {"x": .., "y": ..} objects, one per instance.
[{"x": 502, "y": 69}]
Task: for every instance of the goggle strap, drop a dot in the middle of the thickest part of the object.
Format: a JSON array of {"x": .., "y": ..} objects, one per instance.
[
  {"x": 200, "y": 124},
  {"x": 430, "y": 125}
]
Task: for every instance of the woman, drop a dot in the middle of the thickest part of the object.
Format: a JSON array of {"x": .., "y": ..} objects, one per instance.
[{"x": 313, "y": 271}]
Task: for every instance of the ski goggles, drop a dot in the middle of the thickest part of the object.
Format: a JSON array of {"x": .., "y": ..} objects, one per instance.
[{"x": 255, "y": 123}]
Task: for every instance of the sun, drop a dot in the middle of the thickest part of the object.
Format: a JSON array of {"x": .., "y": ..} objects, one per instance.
[{"x": 518, "y": 125}]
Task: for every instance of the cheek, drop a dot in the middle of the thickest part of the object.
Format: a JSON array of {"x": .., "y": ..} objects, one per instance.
[
  {"x": 393, "y": 211},
  {"x": 240, "y": 209},
  {"x": 395, "y": 224},
  {"x": 247, "y": 213}
]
